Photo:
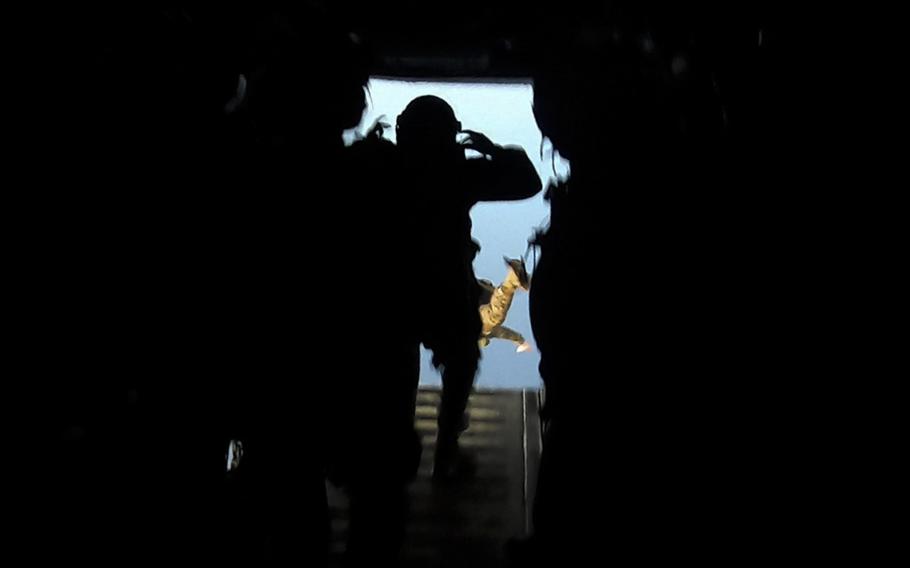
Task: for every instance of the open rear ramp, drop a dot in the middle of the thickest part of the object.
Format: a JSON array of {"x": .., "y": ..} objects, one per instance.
[{"x": 467, "y": 522}]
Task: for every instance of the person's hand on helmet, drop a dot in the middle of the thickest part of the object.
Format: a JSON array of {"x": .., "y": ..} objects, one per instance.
[{"x": 478, "y": 142}]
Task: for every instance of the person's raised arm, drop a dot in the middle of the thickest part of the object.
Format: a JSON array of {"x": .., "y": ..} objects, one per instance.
[{"x": 505, "y": 175}]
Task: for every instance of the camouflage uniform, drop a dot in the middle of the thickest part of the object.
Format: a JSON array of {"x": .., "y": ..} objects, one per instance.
[{"x": 495, "y": 304}]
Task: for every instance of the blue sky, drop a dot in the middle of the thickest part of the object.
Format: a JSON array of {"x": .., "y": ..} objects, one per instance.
[{"x": 502, "y": 112}]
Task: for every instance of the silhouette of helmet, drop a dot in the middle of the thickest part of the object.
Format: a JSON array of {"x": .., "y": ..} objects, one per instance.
[{"x": 428, "y": 117}]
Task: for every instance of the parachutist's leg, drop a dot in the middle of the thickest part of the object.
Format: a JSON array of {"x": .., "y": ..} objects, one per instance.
[{"x": 503, "y": 332}]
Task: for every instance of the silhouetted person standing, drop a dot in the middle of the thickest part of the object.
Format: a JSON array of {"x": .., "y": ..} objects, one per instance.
[
  {"x": 445, "y": 186},
  {"x": 293, "y": 206},
  {"x": 376, "y": 450},
  {"x": 666, "y": 460}
]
